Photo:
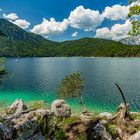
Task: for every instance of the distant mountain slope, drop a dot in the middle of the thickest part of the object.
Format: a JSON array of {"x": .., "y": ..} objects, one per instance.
[
  {"x": 15, "y": 41},
  {"x": 95, "y": 47},
  {"x": 16, "y": 33},
  {"x": 133, "y": 40},
  {"x": 94, "y": 42},
  {"x": 18, "y": 42}
]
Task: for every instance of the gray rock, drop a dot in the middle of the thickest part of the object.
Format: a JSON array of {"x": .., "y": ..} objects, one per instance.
[
  {"x": 23, "y": 124},
  {"x": 60, "y": 108},
  {"x": 17, "y": 107},
  {"x": 27, "y": 125},
  {"x": 122, "y": 112},
  {"x": 136, "y": 136},
  {"x": 105, "y": 115},
  {"x": 28, "y": 130},
  {"x": 37, "y": 137},
  {"x": 97, "y": 131},
  {"x": 5, "y": 132},
  {"x": 43, "y": 112},
  {"x": 86, "y": 117}
]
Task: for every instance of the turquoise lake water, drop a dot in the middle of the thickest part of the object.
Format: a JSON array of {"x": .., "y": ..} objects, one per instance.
[{"x": 38, "y": 79}]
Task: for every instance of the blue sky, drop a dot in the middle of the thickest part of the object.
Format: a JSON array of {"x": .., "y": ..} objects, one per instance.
[{"x": 71, "y": 19}]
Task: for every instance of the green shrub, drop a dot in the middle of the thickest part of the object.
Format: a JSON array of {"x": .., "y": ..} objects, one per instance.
[
  {"x": 82, "y": 136},
  {"x": 42, "y": 124},
  {"x": 60, "y": 134},
  {"x": 70, "y": 120},
  {"x": 37, "y": 104},
  {"x": 134, "y": 116},
  {"x": 113, "y": 130}
]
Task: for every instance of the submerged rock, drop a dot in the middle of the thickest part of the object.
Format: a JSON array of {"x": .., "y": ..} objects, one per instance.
[
  {"x": 61, "y": 109},
  {"x": 17, "y": 107}
]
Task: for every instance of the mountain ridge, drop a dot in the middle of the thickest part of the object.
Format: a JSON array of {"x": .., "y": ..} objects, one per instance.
[
  {"x": 15, "y": 41},
  {"x": 132, "y": 40}
]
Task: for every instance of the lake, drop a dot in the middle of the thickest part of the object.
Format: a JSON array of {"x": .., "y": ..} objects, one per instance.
[{"x": 38, "y": 79}]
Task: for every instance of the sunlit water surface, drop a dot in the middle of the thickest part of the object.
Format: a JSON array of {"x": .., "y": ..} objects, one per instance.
[{"x": 38, "y": 79}]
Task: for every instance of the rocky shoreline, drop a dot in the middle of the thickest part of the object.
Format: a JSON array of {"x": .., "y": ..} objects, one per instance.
[{"x": 22, "y": 122}]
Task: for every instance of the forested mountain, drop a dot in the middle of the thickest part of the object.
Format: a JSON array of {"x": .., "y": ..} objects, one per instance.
[
  {"x": 16, "y": 33},
  {"x": 15, "y": 41}
]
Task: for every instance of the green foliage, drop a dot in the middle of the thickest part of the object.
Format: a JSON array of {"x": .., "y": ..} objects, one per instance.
[
  {"x": 82, "y": 136},
  {"x": 113, "y": 130},
  {"x": 2, "y": 34},
  {"x": 134, "y": 11},
  {"x": 135, "y": 30},
  {"x": 71, "y": 86},
  {"x": 43, "y": 124},
  {"x": 14, "y": 32},
  {"x": 2, "y": 70},
  {"x": 135, "y": 116},
  {"x": 67, "y": 121},
  {"x": 60, "y": 134},
  {"x": 36, "y": 104},
  {"x": 2, "y": 65}
]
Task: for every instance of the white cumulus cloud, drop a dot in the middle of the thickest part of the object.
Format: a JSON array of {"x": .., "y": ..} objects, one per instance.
[
  {"x": 117, "y": 32},
  {"x": 22, "y": 23},
  {"x": 104, "y": 33},
  {"x": 120, "y": 31},
  {"x": 11, "y": 16},
  {"x": 50, "y": 27},
  {"x": 74, "y": 34},
  {"x": 116, "y": 12},
  {"x": 85, "y": 19}
]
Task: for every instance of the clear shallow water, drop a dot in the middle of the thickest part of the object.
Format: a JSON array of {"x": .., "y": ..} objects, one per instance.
[{"x": 39, "y": 78}]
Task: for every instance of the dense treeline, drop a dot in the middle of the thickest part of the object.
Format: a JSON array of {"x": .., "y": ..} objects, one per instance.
[
  {"x": 17, "y": 42},
  {"x": 102, "y": 48}
]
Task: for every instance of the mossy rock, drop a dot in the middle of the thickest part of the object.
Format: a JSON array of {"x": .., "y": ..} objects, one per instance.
[
  {"x": 134, "y": 116},
  {"x": 132, "y": 130},
  {"x": 60, "y": 134},
  {"x": 113, "y": 130},
  {"x": 67, "y": 121},
  {"x": 37, "y": 104},
  {"x": 82, "y": 136}
]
